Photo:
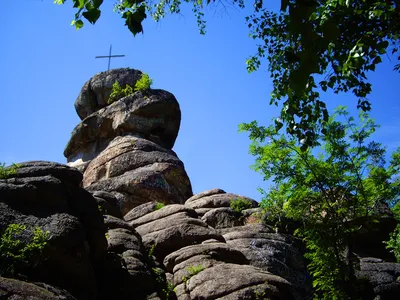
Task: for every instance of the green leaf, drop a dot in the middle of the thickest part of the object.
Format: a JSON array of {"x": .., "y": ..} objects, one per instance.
[
  {"x": 78, "y": 24},
  {"x": 92, "y": 15},
  {"x": 377, "y": 60}
]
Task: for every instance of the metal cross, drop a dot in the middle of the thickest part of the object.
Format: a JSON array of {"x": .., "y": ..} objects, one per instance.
[{"x": 109, "y": 57}]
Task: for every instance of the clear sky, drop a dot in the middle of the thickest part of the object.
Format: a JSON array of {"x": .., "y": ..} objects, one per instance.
[{"x": 45, "y": 62}]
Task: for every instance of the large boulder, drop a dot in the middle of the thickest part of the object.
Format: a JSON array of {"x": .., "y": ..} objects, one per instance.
[
  {"x": 380, "y": 278},
  {"x": 137, "y": 171},
  {"x": 46, "y": 196},
  {"x": 17, "y": 289},
  {"x": 277, "y": 253},
  {"x": 154, "y": 115},
  {"x": 215, "y": 199},
  {"x": 126, "y": 264},
  {"x": 216, "y": 271},
  {"x": 170, "y": 228},
  {"x": 96, "y": 91}
]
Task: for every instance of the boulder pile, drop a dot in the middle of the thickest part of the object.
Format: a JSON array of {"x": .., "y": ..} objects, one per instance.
[{"x": 120, "y": 221}]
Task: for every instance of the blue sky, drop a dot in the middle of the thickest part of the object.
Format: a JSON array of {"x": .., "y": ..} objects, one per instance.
[{"x": 45, "y": 62}]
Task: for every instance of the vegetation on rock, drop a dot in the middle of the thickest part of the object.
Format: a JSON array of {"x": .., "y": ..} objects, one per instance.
[
  {"x": 192, "y": 270},
  {"x": 6, "y": 172},
  {"x": 15, "y": 255},
  {"x": 118, "y": 92},
  {"x": 327, "y": 191},
  {"x": 239, "y": 204},
  {"x": 159, "y": 205},
  {"x": 144, "y": 83},
  {"x": 394, "y": 242}
]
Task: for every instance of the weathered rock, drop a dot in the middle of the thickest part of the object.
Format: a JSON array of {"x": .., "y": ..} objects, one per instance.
[
  {"x": 107, "y": 203},
  {"x": 216, "y": 252},
  {"x": 223, "y": 217},
  {"x": 113, "y": 223},
  {"x": 205, "y": 194},
  {"x": 127, "y": 153},
  {"x": 126, "y": 264},
  {"x": 137, "y": 171},
  {"x": 233, "y": 281},
  {"x": 16, "y": 289},
  {"x": 171, "y": 228},
  {"x": 140, "y": 211},
  {"x": 383, "y": 278},
  {"x": 154, "y": 116},
  {"x": 154, "y": 182},
  {"x": 211, "y": 271},
  {"x": 96, "y": 91},
  {"x": 44, "y": 168},
  {"x": 216, "y": 200},
  {"x": 277, "y": 253},
  {"x": 76, "y": 241},
  {"x": 166, "y": 211}
]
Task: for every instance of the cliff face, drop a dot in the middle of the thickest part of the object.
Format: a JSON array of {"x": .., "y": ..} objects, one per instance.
[{"x": 121, "y": 222}]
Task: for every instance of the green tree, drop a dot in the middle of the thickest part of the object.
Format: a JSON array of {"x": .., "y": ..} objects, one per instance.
[
  {"x": 327, "y": 190},
  {"x": 310, "y": 45}
]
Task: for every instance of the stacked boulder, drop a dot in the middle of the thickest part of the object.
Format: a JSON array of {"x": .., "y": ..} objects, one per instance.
[
  {"x": 121, "y": 222},
  {"x": 125, "y": 147}
]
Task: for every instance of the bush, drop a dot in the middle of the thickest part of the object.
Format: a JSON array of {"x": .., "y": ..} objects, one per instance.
[
  {"x": 15, "y": 254},
  {"x": 118, "y": 92},
  {"x": 394, "y": 243},
  {"x": 159, "y": 205},
  {"x": 144, "y": 83},
  {"x": 6, "y": 172},
  {"x": 239, "y": 204}
]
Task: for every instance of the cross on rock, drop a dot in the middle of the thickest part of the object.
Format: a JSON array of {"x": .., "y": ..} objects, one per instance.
[{"x": 109, "y": 57}]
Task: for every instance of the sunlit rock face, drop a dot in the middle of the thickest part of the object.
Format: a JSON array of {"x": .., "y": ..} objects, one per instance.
[{"x": 124, "y": 148}]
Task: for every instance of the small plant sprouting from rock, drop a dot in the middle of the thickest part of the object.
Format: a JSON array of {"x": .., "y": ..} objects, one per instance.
[
  {"x": 239, "y": 204},
  {"x": 144, "y": 83},
  {"x": 151, "y": 250},
  {"x": 192, "y": 270},
  {"x": 15, "y": 254},
  {"x": 6, "y": 172},
  {"x": 118, "y": 92},
  {"x": 165, "y": 287},
  {"x": 159, "y": 205}
]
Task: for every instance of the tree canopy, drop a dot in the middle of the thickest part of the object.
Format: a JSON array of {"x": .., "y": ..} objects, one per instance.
[
  {"x": 311, "y": 47},
  {"x": 338, "y": 189}
]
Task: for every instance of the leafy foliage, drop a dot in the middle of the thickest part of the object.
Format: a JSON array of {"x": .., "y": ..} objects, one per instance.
[
  {"x": 239, "y": 204},
  {"x": 15, "y": 254},
  {"x": 159, "y": 205},
  {"x": 144, "y": 83},
  {"x": 341, "y": 40},
  {"x": 192, "y": 270},
  {"x": 394, "y": 242},
  {"x": 134, "y": 12},
  {"x": 327, "y": 189},
  {"x": 118, "y": 92},
  {"x": 6, "y": 172}
]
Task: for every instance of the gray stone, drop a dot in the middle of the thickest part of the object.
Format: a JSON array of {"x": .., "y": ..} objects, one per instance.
[
  {"x": 223, "y": 217},
  {"x": 205, "y": 194},
  {"x": 217, "y": 200},
  {"x": 154, "y": 116},
  {"x": 96, "y": 91},
  {"x": 14, "y": 289}
]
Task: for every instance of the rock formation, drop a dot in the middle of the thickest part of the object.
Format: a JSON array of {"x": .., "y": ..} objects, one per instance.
[{"x": 121, "y": 222}]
